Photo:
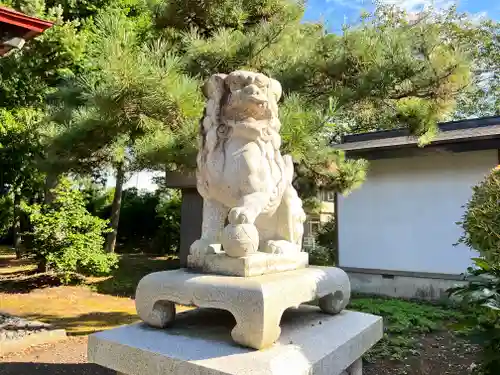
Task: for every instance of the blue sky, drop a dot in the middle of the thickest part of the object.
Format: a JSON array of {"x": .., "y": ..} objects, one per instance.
[{"x": 336, "y": 12}]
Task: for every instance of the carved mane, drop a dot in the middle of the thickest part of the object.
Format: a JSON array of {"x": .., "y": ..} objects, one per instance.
[{"x": 216, "y": 125}]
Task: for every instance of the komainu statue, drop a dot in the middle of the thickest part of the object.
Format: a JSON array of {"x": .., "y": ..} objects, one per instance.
[
  {"x": 249, "y": 259},
  {"x": 242, "y": 176}
]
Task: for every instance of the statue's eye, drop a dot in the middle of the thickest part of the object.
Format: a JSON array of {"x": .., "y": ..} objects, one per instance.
[
  {"x": 261, "y": 81},
  {"x": 234, "y": 86}
]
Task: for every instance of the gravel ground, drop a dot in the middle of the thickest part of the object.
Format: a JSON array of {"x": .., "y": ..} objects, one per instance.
[
  {"x": 14, "y": 328},
  {"x": 67, "y": 357}
]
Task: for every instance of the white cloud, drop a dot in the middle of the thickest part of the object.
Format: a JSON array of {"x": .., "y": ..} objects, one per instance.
[
  {"x": 418, "y": 5},
  {"x": 351, "y": 4}
]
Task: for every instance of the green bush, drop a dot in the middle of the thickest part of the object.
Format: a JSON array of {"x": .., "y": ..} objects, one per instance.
[
  {"x": 321, "y": 256},
  {"x": 149, "y": 221},
  {"x": 168, "y": 211},
  {"x": 482, "y": 293},
  {"x": 324, "y": 253},
  {"x": 66, "y": 238},
  {"x": 6, "y": 216},
  {"x": 481, "y": 232},
  {"x": 481, "y": 220}
]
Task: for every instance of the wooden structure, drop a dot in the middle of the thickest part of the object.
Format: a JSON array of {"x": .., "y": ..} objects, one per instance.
[{"x": 16, "y": 28}]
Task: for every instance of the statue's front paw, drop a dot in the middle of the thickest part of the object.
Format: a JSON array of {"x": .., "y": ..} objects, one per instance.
[
  {"x": 241, "y": 215},
  {"x": 202, "y": 247},
  {"x": 280, "y": 247}
]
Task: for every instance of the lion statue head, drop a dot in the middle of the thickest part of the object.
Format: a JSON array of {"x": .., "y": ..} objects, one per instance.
[{"x": 240, "y": 104}]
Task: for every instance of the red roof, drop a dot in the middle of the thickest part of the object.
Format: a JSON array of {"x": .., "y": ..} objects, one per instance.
[
  {"x": 28, "y": 23},
  {"x": 29, "y": 27}
]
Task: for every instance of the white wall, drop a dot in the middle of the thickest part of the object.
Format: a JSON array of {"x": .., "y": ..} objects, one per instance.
[
  {"x": 403, "y": 217},
  {"x": 140, "y": 180}
]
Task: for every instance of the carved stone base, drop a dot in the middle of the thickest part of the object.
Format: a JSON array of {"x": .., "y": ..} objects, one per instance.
[
  {"x": 311, "y": 343},
  {"x": 257, "y": 303},
  {"x": 252, "y": 265}
]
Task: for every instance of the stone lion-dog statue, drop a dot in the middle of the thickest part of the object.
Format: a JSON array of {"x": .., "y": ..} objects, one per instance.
[{"x": 242, "y": 176}]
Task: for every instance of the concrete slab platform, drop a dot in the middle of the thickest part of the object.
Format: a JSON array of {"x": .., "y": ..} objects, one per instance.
[{"x": 199, "y": 343}]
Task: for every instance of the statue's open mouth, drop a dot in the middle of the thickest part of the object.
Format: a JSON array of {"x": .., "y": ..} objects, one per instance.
[{"x": 260, "y": 100}]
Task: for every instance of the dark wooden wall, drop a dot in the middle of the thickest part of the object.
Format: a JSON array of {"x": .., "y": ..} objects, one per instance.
[{"x": 191, "y": 217}]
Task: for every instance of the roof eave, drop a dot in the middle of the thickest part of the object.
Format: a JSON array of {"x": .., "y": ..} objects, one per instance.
[{"x": 28, "y": 23}]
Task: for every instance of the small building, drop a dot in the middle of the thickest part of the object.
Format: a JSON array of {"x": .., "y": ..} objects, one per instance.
[
  {"x": 16, "y": 28},
  {"x": 396, "y": 233},
  {"x": 314, "y": 220}
]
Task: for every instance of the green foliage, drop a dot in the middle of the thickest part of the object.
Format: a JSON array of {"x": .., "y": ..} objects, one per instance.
[
  {"x": 168, "y": 211},
  {"x": 326, "y": 235},
  {"x": 6, "y": 215},
  {"x": 324, "y": 252},
  {"x": 403, "y": 320},
  {"x": 481, "y": 219},
  {"x": 134, "y": 92},
  {"x": 20, "y": 147},
  {"x": 321, "y": 256},
  {"x": 149, "y": 222},
  {"x": 43, "y": 63},
  {"x": 209, "y": 16},
  {"x": 66, "y": 237},
  {"x": 482, "y": 293},
  {"x": 482, "y": 97}
]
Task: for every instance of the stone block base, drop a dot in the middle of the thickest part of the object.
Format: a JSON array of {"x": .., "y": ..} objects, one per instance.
[
  {"x": 253, "y": 265},
  {"x": 312, "y": 343},
  {"x": 257, "y": 303}
]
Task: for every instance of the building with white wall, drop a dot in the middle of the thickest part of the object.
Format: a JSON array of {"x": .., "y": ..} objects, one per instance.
[{"x": 396, "y": 233}]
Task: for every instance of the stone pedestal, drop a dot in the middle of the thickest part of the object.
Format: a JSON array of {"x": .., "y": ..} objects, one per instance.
[
  {"x": 257, "y": 303},
  {"x": 247, "y": 266},
  {"x": 198, "y": 343}
]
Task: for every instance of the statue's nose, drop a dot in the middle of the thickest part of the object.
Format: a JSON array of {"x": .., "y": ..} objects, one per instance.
[
  {"x": 252, "y": 90},
  {"x": 255, "y": 93}
]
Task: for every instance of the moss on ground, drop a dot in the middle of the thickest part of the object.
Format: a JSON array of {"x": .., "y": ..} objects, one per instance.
[{"x": 405, "y": 322}]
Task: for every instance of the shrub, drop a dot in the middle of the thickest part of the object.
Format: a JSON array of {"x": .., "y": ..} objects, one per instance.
[
  {"x": 66, "y": 237},
  {"x": 483, "y": 294},
  {"x": 321, "y": 256},
  {"x": 324, "y": 253},
  {"x": 168, "y": 211},
  {"x": 149, "y": 222},
  {"x": 481, "y": 220},
  {"x": 6, "y": 216}
]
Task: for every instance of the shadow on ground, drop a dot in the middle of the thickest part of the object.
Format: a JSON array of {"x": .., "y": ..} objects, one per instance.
[
  {"x": 86, "y": 324},
  {"x": 25, "y": 282},
  {"x": 30, "y": 368},
  {"x": 131, "y": 269},
  {"x": 122, "y": 282}
]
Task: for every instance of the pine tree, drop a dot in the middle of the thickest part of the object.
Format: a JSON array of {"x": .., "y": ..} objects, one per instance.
[
  {"x": 134, "y": 98},
  {"x": 390, "y": 70},
  {"x": 138, "y": 104}
]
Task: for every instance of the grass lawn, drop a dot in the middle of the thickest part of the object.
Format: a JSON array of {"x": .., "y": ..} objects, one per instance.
[{"x": 92, "y": 305}]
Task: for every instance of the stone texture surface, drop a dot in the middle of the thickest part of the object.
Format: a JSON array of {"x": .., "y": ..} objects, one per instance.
[
  {"x": 246, "y": 266},
  {"x": 18, "y": 333},
  {"x": 241, "y": 175},
  {"x": 257, "y": 303},
  {"x": 312, "y": 343}
]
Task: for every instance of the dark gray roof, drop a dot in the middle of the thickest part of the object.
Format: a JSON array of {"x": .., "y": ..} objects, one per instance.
[{"x": 449, "y": 132}]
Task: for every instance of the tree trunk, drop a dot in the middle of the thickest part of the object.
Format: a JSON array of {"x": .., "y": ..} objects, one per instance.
[
  {"x": 42, "y": 266},
  {"x": 115, "y": 208},
  {"x": 16, "y": 229},
  {"x": 50, "y": 183}
]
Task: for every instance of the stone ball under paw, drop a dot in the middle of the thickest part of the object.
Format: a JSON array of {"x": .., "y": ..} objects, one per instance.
[{"x": 239, "y": 240}]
